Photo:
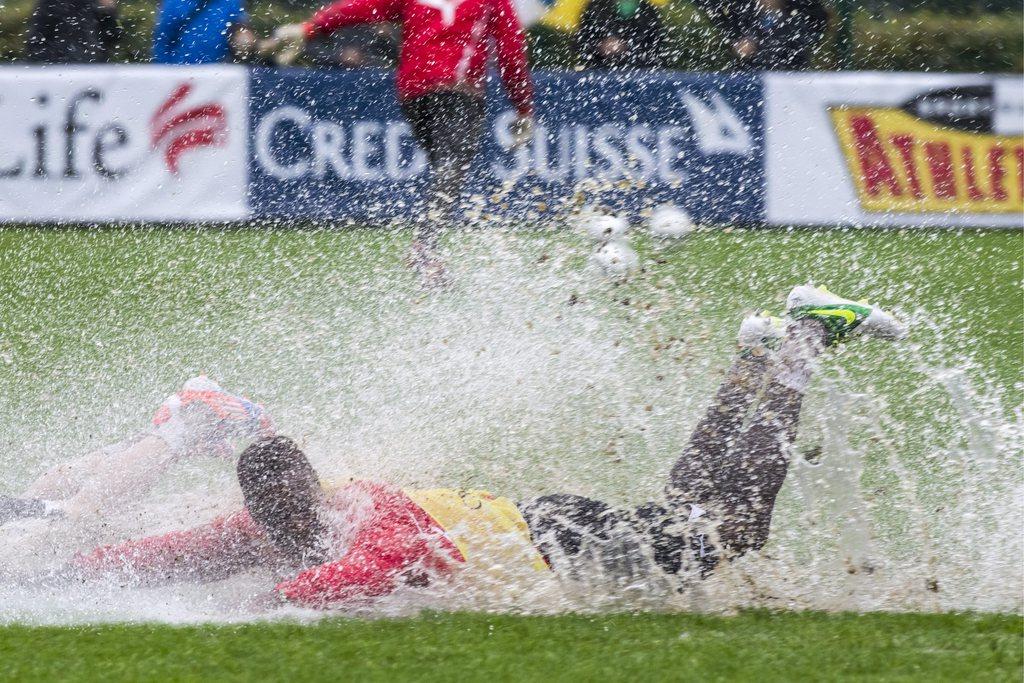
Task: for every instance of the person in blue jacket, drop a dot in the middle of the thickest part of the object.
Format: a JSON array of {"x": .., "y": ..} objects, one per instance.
[{"x": 200, "y": 31}]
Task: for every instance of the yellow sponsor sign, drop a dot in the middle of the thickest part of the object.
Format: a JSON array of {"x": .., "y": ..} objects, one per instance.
[{"x": 899, "y": 162}]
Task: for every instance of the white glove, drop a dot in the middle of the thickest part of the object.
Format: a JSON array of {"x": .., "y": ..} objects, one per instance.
[
  {"x": 289, "y": 42},
  {"x": 521, "y": 131},
  {"x": 202, "y": 418}
]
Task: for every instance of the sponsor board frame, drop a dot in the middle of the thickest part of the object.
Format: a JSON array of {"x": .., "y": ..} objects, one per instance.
[
  {"x": 923, "y": 149},
  {"x": 108, "y": 143},
  {"x": 785, "y": 152}
]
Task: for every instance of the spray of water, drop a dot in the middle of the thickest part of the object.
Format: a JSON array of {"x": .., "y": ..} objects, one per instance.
[{"x": 533, "y": 375}]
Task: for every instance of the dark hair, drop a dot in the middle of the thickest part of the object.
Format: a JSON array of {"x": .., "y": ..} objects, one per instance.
[
  {"x": 281, "y": 491},
  {"x": 269, "y": 459}
]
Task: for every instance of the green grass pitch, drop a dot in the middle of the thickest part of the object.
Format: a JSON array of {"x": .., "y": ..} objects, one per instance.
[
  {"x": 112, "y": 320},
  {"x": 758, "y": 646}
]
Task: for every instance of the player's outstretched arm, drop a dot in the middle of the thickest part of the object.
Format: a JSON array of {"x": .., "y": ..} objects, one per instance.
[
  {"x": 336, "y": 582},
  {"x": 199, "y": 420},
  {"x": 65, "y": 480},
  {"x": 375, "y": 562},
  {"x": 288, "y": 41},
  {"x": 348, "y": 12},
  {"x": 105, "y": 477},
  {"x": 510, "y": 45},
  {"x": 101, "y": 481},
  {"x": 213, "y": 551}
]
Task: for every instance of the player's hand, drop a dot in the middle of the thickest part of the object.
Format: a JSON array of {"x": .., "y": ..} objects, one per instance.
[
  {"x": 244, "y": 43},
  {"x": 612, "y": 46},
  {"x": 288, "y": 42},
  {"x": 521, "y": 131}
]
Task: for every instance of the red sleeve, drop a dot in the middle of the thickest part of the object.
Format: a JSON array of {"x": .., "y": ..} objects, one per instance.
[
  {"x": 403, "y": 537},
  {"x": 348, "y": 12},
  {"x": 212, "y": 551},
  {"x": 510, "y": 43}
]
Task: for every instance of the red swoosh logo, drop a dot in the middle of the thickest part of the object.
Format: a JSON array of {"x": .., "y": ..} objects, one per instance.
[{"x": 204, "y": 125}]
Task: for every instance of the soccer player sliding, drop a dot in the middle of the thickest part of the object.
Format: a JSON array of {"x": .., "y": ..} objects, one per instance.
[
  {"x": 341, "y": 545},
  {"x": 441, "y": 86}
]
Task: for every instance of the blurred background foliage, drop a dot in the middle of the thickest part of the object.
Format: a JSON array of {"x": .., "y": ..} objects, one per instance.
[{"x": 897, "y": 35}]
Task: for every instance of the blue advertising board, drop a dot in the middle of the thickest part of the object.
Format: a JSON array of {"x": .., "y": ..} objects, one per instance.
[{"x": 334, "y": 144}]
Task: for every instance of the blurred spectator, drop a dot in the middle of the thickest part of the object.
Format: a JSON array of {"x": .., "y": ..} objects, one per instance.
[
  {"x": 202, "y": 32},
  {"x": 73, "y": 31},
  {"x": 355, "y": 47},
  {"x": 247, "y": 47},
  {"x": 621, "y": 34},
  {"x": 770, "y": 35}
]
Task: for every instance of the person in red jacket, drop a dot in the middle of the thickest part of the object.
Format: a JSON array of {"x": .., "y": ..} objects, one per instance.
[
  {"x": 441, "y": 84},
  {"x": 338, "y": 545}
]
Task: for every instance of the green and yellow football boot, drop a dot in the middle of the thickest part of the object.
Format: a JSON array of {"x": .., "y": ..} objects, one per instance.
[{"x": 841, "y": 317}]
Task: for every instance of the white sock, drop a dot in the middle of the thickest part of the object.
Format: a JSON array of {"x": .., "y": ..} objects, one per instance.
[
  {"x": 53, "y": 508},
  {"x": 797, "y": 358}
]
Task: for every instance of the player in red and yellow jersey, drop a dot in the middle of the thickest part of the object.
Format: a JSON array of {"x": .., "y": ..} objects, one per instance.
[{"x": 334, "y": 544}]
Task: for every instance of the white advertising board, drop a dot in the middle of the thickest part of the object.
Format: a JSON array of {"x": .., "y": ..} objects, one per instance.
[
  {"x": 894, "y": 149},
  {"x": 97, "y": 143}
]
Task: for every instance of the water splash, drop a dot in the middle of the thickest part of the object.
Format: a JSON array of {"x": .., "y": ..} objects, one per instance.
[{"x": 532, "y": 375}]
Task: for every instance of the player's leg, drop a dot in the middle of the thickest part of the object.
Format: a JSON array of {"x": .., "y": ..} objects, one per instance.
[
  {"x": 457, "y": 126},
  {"x": 571, "y": 530},
  {"x": 744, "y": 484},
  {"x": 422, "y": 113},
  {"x": 419, "y": 112},
  {"x": 745, "y": 489},
  {"x": 447, "y": 126},
  {"x": 692, "y": 477}
]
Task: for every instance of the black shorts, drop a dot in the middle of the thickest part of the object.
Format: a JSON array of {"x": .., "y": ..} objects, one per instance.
[
  {"x": 447, "y": 125},
  {"x": 577, "y": 535}
]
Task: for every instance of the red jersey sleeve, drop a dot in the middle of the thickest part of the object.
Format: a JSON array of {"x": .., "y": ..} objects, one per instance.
[
  {"x": 348, "y": 12},
  {"x": 510, "y": 43},
  {"x": 209, "y": 552},
  {"x": 400, "y": 538}
]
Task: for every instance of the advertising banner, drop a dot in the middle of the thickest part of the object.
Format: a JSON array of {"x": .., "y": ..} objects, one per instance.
[
  {"x": 895, "y": 149},
  {"x": 334, "y": 144},
  {"x": 98, "y": 143}
]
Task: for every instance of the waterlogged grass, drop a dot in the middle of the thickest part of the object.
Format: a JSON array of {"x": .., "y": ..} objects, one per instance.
[
  {"x": 531, "y": 376},
  {"x": 756, "y": 646}
]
